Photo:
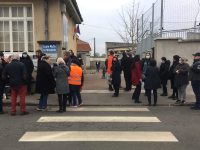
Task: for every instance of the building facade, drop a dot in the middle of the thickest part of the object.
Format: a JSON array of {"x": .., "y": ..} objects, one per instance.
[{"x": 27, "y": 25}]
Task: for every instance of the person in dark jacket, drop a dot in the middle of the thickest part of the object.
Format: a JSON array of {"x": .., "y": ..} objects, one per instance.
[
  {"x": 3, "y": 64},
  {"x": 61, "y": 74},
  {"x": 182, "y": 80},
  {"x": 39, "y": 55},
  {"x": 17, "y": 74},
  {"x": 2, "y": 86},
  {"x": 144, "y": 64},
  {"x": 164, "y": 74},
  {"x": 152, "y": 81},
  {"x": 98, "y": 64},
  {"x": 126, "y": 63},
  {"x": 106, "y": 64},
  {"x": 116, "y": 80},
  {"x": 80, "y": 60},
  {"x": 67, "y": 59},
  {"x": 194, "y": 77},
  {"x": 72, "y": 55},
  {"x": 45, "y": 82},
  {"x": 136, "y": 77},
  {"x": 26, "y": 60},
  {"x": 174, "y": 96}
]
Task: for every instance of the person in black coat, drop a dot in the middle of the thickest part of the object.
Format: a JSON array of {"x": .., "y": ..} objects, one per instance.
[
  {"x": 2, "y": 86},
  {"x": 152, "y": 81},
  {"x": 174, "y": 96},
  {"x": 126, "y": 63},
  {"x": 72, "y": 55},
  {"x": 164, "y": 74},
  {"x": 106, "y": 64},
  {"x": 45, "y": 82},
  {"x": 116, "y": 79},
  {"x": 26, "y": 60},
  {"x": 3, "y": 63}
]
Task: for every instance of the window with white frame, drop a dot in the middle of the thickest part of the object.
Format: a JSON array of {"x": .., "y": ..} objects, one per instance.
[{"x": 16, "y": 29}]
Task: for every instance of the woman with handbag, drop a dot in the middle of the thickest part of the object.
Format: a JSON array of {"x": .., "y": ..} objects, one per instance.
[
  {"x": 116, "y": 79},
  {"x": 136, "y": 77}
]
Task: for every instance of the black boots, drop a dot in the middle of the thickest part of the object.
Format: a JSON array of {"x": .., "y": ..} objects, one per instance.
[
  {"x": 110, "y": 88},
  {"x": 164, "y": 94}
]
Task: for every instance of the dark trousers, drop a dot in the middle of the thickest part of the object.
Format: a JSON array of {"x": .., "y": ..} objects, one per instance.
[
  {"x": 1, "y": 101},
  {"x": 29, "y": 84},
  {"x": 149, "y": 95},
  {"x": 116, "y": 87},
  {"x": 137, "y": 93},
  {"x": 196, "y": 89},
  {"x": 164, "y": 89},
  {"x": 62, "y": 100},
  {"x": 128, "y": 83},
  {"x": 69, "y": 96},
  {"x": 175, "y": 92}
]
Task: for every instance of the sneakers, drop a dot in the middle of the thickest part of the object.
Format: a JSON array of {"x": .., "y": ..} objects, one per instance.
[
  {"x": 171, "y": 97},
  {"x": 195, "y": 108},
  {"x": 178, "y": 102},
  {"x": 80, "y": 104},
  {"x": 182, "y": 103},
  {"x": 46, "y": 109},
  {"x": 25, "y": 113},
  {"x": 40, "y": 109},
  {"x": 3, "y": 112},
  {"x": 73, "y": 106}
]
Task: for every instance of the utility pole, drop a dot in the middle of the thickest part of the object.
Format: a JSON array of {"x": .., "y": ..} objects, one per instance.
[
  {"x": 94, "y": 47},
  {"x": 161, "y": 20}
]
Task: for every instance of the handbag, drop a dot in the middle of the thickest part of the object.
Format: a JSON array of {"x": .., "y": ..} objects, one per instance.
[{"x": 143, "y": 76}]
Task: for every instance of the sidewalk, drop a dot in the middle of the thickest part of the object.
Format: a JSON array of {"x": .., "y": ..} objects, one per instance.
[{"x": 95, "y": 93}]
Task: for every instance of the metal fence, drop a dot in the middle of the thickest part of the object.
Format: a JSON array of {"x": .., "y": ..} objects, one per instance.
[{"x": 168, "y": 18}]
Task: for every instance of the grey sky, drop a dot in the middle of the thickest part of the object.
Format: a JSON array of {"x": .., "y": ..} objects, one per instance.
[{"x": 102, "y": 14}]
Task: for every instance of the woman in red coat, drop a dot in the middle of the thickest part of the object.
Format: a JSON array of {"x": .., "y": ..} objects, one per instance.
[{"x": 136, "y": 77}]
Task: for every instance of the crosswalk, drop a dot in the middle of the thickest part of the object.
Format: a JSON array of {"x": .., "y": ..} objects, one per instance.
[{"x": 103, "y": 136}]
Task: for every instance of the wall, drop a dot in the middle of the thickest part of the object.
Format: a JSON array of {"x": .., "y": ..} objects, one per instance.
[{"x": 168, "y": 47}]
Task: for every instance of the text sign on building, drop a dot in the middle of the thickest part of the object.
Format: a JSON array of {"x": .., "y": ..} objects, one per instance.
[{"x": 50, "y": 49}]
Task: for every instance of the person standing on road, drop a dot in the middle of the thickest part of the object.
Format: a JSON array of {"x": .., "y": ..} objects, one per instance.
[
  {"x": 164, "y": 74},
  {"x": 45, "y": 82},
  {"x": 76, "y": 80},
  {"x": 144, "y": 64},
  {"x": 39, "y": 55},
  {"x": 174, "y": 96},
  {"x": 26, "y": 60},
  {"x": 116, "y": 80},
  {"x": 182, "y": 79},
  {"x": 2, "y": 86},
  {"x": 61, "y": 74},
  {"x": 98, "y": 63},
  {"x": 136, "y": 78},
  {"x": 152, "y": 81},
  {"x": 18, "y": 75},
  {"x": 126, "y": 63},
  {"x": 67, "y": 59},
  {"x": 109, "y": 69},
  {"x": 194, "y": 77},
  {"x": 72, "y": 55}
]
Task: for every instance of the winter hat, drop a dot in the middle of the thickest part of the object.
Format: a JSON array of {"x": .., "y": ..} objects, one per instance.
[
  {"x": 183, "y": 59},
  {"x": 66, "y": 53},
  {"x": 164, "y": 58},
  {"x": 176, "y": 57},
  {"x": 75, "y": 62},
  {"x": 24, "y": 52}
]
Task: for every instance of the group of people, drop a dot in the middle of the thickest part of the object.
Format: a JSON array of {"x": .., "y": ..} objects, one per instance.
[
  {"x": 144, "y": 71},
  {"x": 66, "y": 76}
]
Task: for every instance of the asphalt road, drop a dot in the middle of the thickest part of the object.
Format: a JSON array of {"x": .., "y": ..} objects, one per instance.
[{"x": 181, "y": 122}]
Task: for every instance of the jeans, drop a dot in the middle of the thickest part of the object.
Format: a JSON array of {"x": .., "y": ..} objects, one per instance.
[
  {"x": 1, "y": 101},
  {"x": 136, "y": 94},
  {"x": 116, "y": 87},
  {"x": 78, "y": 94},
  {"x": 182, "y": 92},
  {"x": 196, "y": 89},
  {"x": 128, "y": 84},
  {"x": 22, "y": 93},
  {"x": 62, "y": 100},
  {"x": 149, "y": 95},
  {"x": 98, "y": 67},
  {"x": 43, "y": 100}
]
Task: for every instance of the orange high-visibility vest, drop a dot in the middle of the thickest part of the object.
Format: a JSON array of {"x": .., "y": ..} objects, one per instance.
[{"x": 75, "y": 75}]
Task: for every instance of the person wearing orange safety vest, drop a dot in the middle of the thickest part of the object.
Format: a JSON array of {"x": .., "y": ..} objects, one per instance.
[
  {"x": 109, "y": 70},
  {"x": 76, "y": 80}
]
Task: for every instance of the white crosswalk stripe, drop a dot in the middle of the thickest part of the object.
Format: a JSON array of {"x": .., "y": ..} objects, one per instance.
[
  {"x": 98, "y": 136},
  {"x": 104, "y": 136}
]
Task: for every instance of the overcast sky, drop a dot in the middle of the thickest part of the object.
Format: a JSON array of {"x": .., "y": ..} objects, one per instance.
[{"x": 102, "y": 13}]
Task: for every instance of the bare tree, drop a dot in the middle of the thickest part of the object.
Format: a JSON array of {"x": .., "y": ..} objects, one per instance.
[{"x": 129, "y": 14}]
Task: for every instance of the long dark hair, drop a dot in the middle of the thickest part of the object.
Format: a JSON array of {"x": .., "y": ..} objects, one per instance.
[{"x": 135, "y": 59}]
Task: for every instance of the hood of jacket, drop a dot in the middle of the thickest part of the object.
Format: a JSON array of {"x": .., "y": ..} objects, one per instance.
[{"x": 28, "y": 57}]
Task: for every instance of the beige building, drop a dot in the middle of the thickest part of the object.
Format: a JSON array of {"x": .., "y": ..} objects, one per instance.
[{"x": 28, "y": 24}]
